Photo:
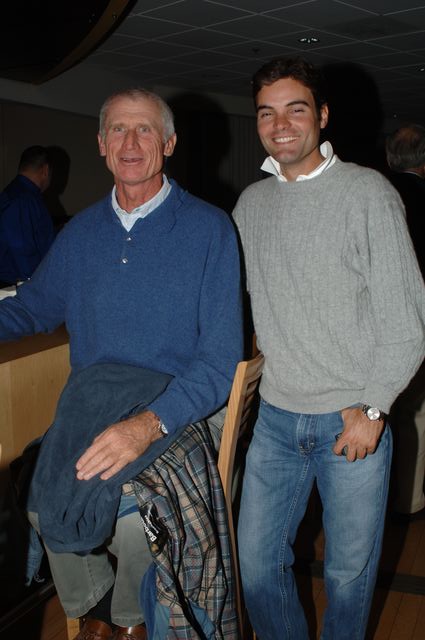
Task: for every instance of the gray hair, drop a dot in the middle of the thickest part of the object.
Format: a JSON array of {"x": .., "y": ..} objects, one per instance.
[
  {"x": 405, "y": 148},
  {"x": 137, "y": 94}
]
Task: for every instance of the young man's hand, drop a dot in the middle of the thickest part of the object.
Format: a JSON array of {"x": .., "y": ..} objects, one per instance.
[{"x": 360, "y": 435}]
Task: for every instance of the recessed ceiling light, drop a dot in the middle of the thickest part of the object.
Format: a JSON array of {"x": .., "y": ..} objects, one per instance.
[{"x": 308, "y": 40}]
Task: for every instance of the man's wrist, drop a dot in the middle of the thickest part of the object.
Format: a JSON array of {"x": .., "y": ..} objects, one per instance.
[
  {"x": 148, "y": 420},
  {"x": 160, "y": 426},
  {"x": 373, "y": 413}
]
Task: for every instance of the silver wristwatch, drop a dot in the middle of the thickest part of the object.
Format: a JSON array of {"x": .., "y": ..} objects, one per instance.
[
  {"x": 162, "y": 428},
  {"x": 373, "y": 413}
]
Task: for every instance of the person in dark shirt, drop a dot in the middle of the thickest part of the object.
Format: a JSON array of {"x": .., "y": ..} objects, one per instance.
[
  {"x": 26, "y": 227},
  {"x": 405, "y": 149}
]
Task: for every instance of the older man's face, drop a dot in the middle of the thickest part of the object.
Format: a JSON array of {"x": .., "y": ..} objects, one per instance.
[{"x": 134, "y": 145}]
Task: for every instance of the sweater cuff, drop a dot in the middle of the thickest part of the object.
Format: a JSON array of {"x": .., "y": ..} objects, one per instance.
[
  {"x": 379, "y": 396},
  {"x": 168, "y": 418}
]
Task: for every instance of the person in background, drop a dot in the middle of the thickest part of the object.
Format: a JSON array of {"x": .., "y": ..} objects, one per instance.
[
  {"x": 148, "y": 277},
  {"x": 338, "y": 309},
  {"x": 405, "y": 151},
  {"x": 26, "y": 227}
]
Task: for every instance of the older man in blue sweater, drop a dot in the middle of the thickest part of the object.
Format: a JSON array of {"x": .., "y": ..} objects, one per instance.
[{"x": 148, "y": 277}]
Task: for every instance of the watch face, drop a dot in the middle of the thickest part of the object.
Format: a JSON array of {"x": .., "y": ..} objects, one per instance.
[{"x": 373, "y": 413}]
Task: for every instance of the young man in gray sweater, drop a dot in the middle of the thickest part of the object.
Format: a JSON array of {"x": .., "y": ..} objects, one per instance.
[{"x": 338, "y": 307}]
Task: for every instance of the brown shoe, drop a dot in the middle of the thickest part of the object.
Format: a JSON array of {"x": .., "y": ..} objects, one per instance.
[
  {"x": 94, "y": 630},
  {"x": 138, "y": 632}
]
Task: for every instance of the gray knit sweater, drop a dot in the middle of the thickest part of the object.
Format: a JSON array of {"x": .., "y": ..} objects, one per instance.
[{"x": 337, "y": 296}]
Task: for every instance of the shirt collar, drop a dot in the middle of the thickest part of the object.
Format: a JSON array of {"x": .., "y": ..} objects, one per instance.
[
  {"x": 413, "y": 173},
  {"x": 28, "y": 183},
  {"x": 270, "y": 165},
  {"x": 128, "y": 218}
]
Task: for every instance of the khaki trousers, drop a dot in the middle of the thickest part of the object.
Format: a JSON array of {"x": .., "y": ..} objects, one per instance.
[{"x": 81, "y": 581}]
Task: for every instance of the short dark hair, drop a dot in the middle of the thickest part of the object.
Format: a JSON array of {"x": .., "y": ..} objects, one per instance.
[
  {"x": 34, "y": 157},
  {"x": 296, "y": 68},
  {"x": 405, "y": 148}
]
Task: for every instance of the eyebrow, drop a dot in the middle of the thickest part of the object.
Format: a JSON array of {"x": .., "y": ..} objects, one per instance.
[
  {"x": 289, "y": 104},
  {"x": 114, "y": 123},
  {"x": 120, "y": 123}
]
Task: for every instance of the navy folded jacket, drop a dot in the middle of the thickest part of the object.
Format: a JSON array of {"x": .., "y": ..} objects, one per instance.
[{"x": 79, "y": 515}]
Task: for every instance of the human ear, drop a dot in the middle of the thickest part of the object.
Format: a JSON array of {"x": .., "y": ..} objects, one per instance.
[
  {"x": 324, "y": 115},
  {"x": 101, "y": 143},
  {"x": 169, "y": 145}
]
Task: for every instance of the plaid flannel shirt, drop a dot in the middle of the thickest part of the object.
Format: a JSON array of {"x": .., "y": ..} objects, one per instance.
[{"x": 190, "y": 545}]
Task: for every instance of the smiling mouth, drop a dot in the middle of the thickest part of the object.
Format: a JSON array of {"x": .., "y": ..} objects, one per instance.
[
  {"x": 285, "y": 139},
  {"x": 130, "y": 160}
]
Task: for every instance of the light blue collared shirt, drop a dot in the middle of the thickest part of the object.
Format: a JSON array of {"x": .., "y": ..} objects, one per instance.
[{"x": 129, "y": 218}]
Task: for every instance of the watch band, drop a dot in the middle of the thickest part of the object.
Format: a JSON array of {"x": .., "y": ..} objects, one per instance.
[{"x": 373, "y": 413}]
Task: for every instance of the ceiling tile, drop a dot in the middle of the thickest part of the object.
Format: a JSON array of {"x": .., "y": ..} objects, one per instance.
[
  {"x": 320, "y": 13},
  {"x": 261, "y": 26},
  {"x": 394, "y": 60},
  {"x": 156, "y": 49},
  {"x": 203, "y": 38},
  {"x": 325, "y": 39},
  {"x": 384, "y": 7},
  {"x": 406, "y": 42},
  {"x": 255, "y": 48},
  {"x": 115, "y": 60},
  {"x": 150, "y": 27},
  {"x": 414, "y": 19},
  {"x": 356, "y": 51},
  {"x": 258, "y": 6},
  {"x": 142, "y": 6},
  {"x": 207, "y": 58},
  {"x": 170, "y": 67},
  {"x": 198, "y": 13}
]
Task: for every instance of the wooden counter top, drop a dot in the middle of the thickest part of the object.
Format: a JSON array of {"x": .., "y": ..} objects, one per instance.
[
  {"x": 30, "y": 345},
  {"x": 33, "y": 371}
]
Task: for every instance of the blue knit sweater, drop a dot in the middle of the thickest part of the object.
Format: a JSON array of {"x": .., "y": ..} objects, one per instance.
[{"x": 164, "y": 296}]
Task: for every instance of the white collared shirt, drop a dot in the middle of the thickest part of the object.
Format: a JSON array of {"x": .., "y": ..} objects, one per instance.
[
  {"x": 128, "y": 218},
  {"x": 270, "y": 165}
]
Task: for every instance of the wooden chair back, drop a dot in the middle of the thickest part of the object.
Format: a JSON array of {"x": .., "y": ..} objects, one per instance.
[{"x": 245, "y": 382}]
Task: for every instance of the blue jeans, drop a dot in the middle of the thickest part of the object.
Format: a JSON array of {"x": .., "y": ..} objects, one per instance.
[{"x": 287, "y": 453}]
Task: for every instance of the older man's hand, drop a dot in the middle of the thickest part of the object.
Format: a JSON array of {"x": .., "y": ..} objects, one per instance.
[{"x": 118, "y": 445}]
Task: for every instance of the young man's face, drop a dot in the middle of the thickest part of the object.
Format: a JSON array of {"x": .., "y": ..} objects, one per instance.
[{"x": 289, "y": 127}]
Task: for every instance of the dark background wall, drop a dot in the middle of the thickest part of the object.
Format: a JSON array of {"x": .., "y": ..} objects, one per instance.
[{"x": 217, "y": 154}]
